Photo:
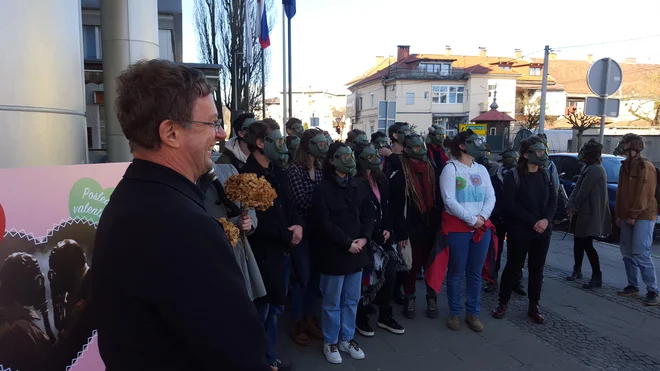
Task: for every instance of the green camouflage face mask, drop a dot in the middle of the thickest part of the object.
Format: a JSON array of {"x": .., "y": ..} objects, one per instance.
[
  {"x": 510, "y": 159},
  {"x": 246, "y": 124},
  {"x": 436, "y": 136},
  {"x": 369, "y": 159},
  {"x": 381, "y": 143},
  {"x": 416, "y": 149},
  {"x": 344, "y": 161},
  {"x": 318, "y": 146},
  {"x": 362, "y": 138},
  {"x": 475, "y": 146},
  {"x": 298, "y": 130},
  {"x": 537, "y": 155},
  {"x": 275, "y": 148}
]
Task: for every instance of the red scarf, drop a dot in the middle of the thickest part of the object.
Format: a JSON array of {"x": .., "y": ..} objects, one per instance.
[
  {"x": 443, "y": 156},
  {"x": 421, "y": 169}
]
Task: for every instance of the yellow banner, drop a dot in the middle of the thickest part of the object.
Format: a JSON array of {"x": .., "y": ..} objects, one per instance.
[{"x": 479, "y": 129}]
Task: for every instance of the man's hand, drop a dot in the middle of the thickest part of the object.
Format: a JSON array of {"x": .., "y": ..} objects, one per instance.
[
  {"x": 245, "y": 222},
  {"x": 386, "y": 235},
  {"x": 297, "y": 234},
  {"x": 385, "y": 152},
  {"x": 541, "y": 225},
  {"x": 631, "y": 221},
  {"x": 402, "y": 244},
  {"x": 355, "y": 248}
]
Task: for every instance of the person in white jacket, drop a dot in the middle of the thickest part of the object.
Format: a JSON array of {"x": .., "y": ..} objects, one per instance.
[{"x": 469, "y": 200}]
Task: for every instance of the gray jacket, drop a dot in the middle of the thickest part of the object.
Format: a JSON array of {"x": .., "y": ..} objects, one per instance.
[
  {"x": 590, "y": 202},
  {"x": 244, "y": 256}
]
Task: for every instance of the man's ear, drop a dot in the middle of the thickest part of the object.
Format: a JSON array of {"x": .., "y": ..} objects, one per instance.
[{"x": 170, "y": 133}]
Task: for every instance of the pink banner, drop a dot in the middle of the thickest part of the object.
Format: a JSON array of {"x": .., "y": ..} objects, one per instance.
[{"x": 48, "y": 217}]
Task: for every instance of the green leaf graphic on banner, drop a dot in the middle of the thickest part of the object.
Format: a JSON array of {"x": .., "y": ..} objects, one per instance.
[{"x": 87, "y": 199}]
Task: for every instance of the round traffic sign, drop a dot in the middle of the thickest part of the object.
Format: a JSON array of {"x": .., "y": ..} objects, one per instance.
[{"x": 604, "y": 81}]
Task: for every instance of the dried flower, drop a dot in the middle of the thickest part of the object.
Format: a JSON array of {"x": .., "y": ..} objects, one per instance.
[
  {"x": 233, "y": 234},
  {"x": 251, "y": 191}
]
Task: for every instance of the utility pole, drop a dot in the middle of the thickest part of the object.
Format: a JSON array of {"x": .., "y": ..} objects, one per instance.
[{"x": 544, "y": 89}]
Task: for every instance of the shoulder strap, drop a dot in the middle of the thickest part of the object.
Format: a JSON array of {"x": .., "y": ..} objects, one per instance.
[{"x": 516, "y": 177}]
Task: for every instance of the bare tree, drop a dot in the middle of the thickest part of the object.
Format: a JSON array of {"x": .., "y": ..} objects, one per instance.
[
  {"x": 528, "y": 110},
  {"x": 341, "y": 114},
  {"x": 636, "y": 104},
  {"x": 580, "y": 123},
  {"x": 220, "y": 27}
]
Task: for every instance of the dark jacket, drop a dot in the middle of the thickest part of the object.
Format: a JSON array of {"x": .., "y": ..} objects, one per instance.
[
  {"x": 590, "y": 203},
  {"x": 497, "y": 180},
  {"x": 412, "y": 224},
  {"x": 271, "y": 241},
  {"x": 382, "y": 215},
  {"x": 341, "y": 214},
  {"x": 23, "y": 345},
  {"x": 391, "y": 164},
  {"x": 532, "y": 200},
  {"x": 166, "y": 285}
]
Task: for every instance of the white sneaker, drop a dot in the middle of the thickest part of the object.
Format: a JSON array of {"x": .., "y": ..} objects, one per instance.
[
  {"x": 351, "y": 347},
  {"x": 332, "y": 353}
]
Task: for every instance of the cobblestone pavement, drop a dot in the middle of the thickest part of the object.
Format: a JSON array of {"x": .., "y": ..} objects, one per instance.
[{"x": 584, "y": 330}]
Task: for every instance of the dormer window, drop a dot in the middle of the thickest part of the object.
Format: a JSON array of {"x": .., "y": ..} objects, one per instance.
[
  {"x": 535, "y": 69},
  {"x": 439, "y": 68},
  {"x": 505, "y": 66}
]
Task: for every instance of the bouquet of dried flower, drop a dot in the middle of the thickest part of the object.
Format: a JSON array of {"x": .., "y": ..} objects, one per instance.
[
  {"x": 251, "y": 191},
  {"x": 233, "y": 234}
]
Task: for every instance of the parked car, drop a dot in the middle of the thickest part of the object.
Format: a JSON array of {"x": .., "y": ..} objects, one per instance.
[{"x": 569, "y": 167}]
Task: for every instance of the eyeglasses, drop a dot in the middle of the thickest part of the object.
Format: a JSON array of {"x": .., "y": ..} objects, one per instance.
[{"x": 217, "y": 124}]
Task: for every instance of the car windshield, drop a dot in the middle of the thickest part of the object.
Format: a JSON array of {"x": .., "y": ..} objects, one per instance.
[{"x": 612, "y": 167}]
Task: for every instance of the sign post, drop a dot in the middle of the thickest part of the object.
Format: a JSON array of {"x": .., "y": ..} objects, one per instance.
[{"x": 604, "y": 78}]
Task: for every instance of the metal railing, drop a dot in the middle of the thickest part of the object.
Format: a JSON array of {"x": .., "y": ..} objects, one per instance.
[{"x": 423, "y": 74}]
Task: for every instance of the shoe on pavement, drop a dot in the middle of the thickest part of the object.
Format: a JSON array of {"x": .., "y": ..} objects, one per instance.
[
  {"x": 651, "y": 299},
  {"x": 351, "y": 347},
  {"x": 454, "y": 323},
  {"x": 363, "y": 327},
  {"x": 281, "y": 366},
  {"x": 473, "y": 323},
  {"x": 500, "y": 310},
  {"x": 387, "y": 321},
  {"x": 629, "y": 290},
  {"x": 432, "y": 306},
  {"x": 535, "y": 313},
  {"x": 409, "y": 308},
  {"x": 331, "y": 352},
  {"x": 312, "y": 327},
  {"x": 299, "y": 335}
]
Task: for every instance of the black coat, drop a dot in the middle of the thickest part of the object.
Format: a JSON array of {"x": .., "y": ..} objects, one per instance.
[
  {"x": 497, "y": 216},
  {"x": 382, "y": 215},
  {"x": 414, "y": 226},
  {"x": 166, "y": 285},
  {"x": 341, "y": 214},
  {"x": 271, "y": 241}
]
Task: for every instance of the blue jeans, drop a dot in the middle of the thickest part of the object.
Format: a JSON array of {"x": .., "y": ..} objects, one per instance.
[
  {"x": 305, "y": 298},
  {"x": 341, "y": 295},
  {"x": 268, "y": 315},
  {"x": 635, "y": 247},
  {"x": 466, "y": 258}
]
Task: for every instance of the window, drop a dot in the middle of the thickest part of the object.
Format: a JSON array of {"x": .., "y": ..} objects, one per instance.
[
  {"x": 426, "y": 95},
  {"x": 359, "y": 104},
  {"x": 492, "y": 131},
  {"x": 92, "y": 48},
  {"x": 410, "y": 98},
  {"x": 491, "y": 90},
  {"x": 448, "y": 94},
  {"x": 441, "y": 69},
  {"x": 373, "y": 104},
  {"x": 535, "y": 71},
  {"x": 165, "y": 43}
]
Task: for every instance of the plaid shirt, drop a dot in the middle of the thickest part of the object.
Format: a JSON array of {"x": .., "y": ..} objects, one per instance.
[{"x": 302, "y": 186}]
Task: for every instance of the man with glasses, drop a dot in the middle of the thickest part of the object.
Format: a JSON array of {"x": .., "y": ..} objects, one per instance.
[{"x": 164, "y": 269}]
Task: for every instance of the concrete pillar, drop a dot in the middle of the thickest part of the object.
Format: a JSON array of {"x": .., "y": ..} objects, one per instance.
[
  {"x": 129, "y": 29},
  {"x": 42, "y": 101}
]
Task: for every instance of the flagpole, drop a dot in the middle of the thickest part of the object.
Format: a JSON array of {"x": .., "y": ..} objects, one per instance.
[
  {"x": 284, "y": 118},
  {"x": 263, "y": 83},
  {"x": 290, "y": 74}
]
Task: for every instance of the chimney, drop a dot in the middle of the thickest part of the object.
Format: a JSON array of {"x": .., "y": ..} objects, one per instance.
[
  {"x": 447, "y": 50},
  {"x": 519, "y": 53},
  {"x": 482, "y": 51},
  {"x": 590, "y": 58},
  {"x": 630, "y": 60},
  {"x": 403, "y": 52},
  {"x": 379, "y": 59},
  {"x": 553, "y": 54}
]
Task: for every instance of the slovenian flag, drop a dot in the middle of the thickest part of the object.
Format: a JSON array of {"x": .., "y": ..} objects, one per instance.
[{"x": 262, "y": 24}]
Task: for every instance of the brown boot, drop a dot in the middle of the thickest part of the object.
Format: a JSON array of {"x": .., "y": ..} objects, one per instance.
[
  {"x": 299, "y": 335},
  {"x": 313, "y": 327},
  {"x": 535, "y": 313}
]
